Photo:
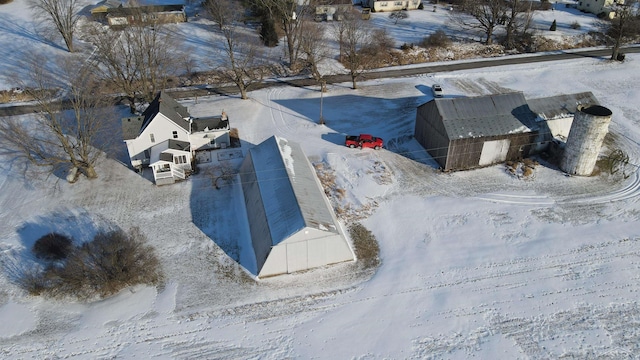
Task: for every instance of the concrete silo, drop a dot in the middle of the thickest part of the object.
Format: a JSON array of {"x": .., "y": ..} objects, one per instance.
[{"x": 590, "y": 126}]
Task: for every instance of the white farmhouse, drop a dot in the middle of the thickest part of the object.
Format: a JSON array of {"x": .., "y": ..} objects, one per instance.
[
  {"x": 165, "y": 137},
  {"x": 380, "y": 6},
  {"x": 292, "y": 224},
  {"x": 599, "y": 6}
]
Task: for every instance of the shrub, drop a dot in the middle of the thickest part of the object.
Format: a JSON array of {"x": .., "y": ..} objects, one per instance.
[
  {"x": 102, "y": 267},
  {"x": 52, "y": 246},
  {"x": 366, "y": 245},
  {"x": 575, "y": 25},
  {"x": 437, "y": 39},
  {"x": 554, "y": 25}
]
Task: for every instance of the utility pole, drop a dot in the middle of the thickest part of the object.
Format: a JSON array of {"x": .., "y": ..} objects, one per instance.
[{"x": 322, "y": 85}]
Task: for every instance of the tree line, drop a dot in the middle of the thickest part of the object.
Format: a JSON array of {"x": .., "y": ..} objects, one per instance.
[{"x": 141, "y": 59}]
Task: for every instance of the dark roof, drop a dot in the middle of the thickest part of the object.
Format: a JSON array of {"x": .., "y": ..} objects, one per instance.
[
  {"x": 168, "y": 107},
  {"x": 131, "y": 126},
  {"x": 166, "y": 157},
  {"x": 178, "y": 145},
  {"x": 561, "y": 106},
  {"x": 209, "y": 123},
  {"x": 123, "y": 11},
  {"x": 490, "y": 115}
]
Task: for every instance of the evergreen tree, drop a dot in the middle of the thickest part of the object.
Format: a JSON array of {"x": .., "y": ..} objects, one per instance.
[{"x": 553, "y": 26}]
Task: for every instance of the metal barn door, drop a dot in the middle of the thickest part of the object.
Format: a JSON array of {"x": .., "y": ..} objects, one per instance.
[{"x": 494, "y": 152}]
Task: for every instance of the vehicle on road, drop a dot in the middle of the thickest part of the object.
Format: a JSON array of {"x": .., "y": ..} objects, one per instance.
[
  {"x": 363, "y": 141},
  {"x": 437, "y": 90}
]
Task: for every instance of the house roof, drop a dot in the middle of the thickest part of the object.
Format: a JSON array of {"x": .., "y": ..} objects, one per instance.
[
  {"x": 291, "y": 194},
  {"x": 490, "y": 115},
  {"x": 122, "y": 11},
  {"x": 131, "y": 126},
  {"x": 165, "y": 150},
  {"x": 560, "y": 106},
  {"x": 105, "y": 5},
  {"x": 209, "y": 123},
  {"x": 168, "y": 107}
]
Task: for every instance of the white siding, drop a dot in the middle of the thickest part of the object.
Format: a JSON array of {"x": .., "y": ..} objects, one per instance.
[{"x": 162, "y": 129}]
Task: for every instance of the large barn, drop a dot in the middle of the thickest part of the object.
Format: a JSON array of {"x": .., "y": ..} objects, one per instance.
[
  {"x": 292, "y": 224},
  {"x": 470, "y": 132}
]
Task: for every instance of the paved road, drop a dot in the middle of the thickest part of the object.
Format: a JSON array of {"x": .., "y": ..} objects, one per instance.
[{"x": 388, "y": 73}]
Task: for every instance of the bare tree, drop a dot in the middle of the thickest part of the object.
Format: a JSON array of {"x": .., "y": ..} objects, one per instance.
[
  {"x": 58, "y": 139},
  {"x": 137, "y": 60},
  {"x": 354, "y": 37},
  {"x": 221, "y": 172},
  {"x": 625, "y": 13},
  {"x": 487, "y": 16},
  {"x": 243, "y": 61},
  {"x": 290, "y": 18},
  {"x": 517, "y": 21},
  {"x": 398, "y": 15},
  {"x": 62, "y": 14},
  {"x": 313, "y": 45}
]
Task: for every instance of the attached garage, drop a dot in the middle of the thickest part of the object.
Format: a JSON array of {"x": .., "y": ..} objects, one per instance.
[
  {"x": 465, "y": 133},
  {"x": 292, "y": 224}
]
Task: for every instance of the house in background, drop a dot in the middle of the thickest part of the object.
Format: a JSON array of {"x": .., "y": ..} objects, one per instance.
[
  {"x": 146, "y": 15},
  {"x": 380, "y": 6},
  {"x": 291, "y": 221},
  {"x": 165, "y": 138},
  {"x": 597, "y": 7},
  {"x": 99, "y": 12}
]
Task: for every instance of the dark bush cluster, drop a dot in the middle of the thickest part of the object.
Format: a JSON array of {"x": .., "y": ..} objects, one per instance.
[
  {"x": 437, "y": 39},
  {"x": 366, "y": 245},
  {"x": 102, "y": 267}
]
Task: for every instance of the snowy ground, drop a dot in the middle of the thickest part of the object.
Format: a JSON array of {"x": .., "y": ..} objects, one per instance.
[{"x": 474, "y": 264}]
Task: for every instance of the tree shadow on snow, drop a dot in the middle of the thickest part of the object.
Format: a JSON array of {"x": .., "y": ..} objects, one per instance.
[{"x": 77, "y": 224}]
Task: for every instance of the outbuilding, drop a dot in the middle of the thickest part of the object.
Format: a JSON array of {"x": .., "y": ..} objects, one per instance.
[
  {"x": 471, "y": 132},
  {"x": 292, "y": 224}
]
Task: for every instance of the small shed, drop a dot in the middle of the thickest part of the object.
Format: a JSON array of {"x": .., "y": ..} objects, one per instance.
[
  {"x": 470, "y": 132},
  {"x": 291, "y": 221}
]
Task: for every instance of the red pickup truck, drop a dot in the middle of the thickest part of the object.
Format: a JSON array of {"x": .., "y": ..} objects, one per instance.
[{"x": 363, "y": 141}]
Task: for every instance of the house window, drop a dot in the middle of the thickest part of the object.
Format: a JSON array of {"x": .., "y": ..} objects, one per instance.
[
  {"x": 147, "y": 154},
  {"x": 398, "y": 3},
  {"x": 212, "y": 142},
  {"x": 175, "y": 134},
  {"x": 180, "y": 159},
  {"x": 153, "y": 138}
]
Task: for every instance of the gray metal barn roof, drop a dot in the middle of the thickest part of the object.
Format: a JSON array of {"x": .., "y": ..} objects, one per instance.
[
  {"x": 291, "y": 194},
  {"x": 491, "y": 115},
  {"x": 560, "y": 106}
]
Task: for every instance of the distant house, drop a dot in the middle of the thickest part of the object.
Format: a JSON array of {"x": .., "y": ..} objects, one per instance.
[
  {"x": 598, "y": 7},
  {"x": 146, "y": 15},
  {"x": 472, "y": 132},
  {"x": 292, "y": 224},
  {"x": 99, "y": 12},
  {"x": 380, "y": 6},
  {"x": 331, "y": 9},
  {"x": 165, "y": 138}
]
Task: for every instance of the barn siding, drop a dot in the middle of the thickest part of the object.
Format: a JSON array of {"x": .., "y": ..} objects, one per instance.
[
  {"x": 465, "y": 153},
  {"x": 432, "y": 134}
]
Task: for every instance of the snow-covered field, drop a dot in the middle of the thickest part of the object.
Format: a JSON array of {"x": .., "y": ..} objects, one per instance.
[{"x": 475, "y": 264}]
